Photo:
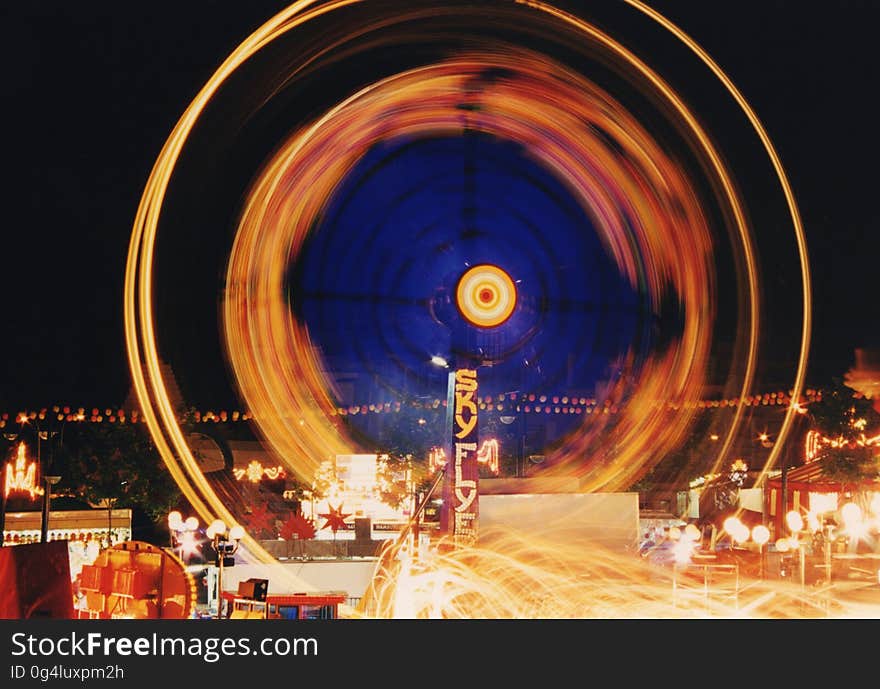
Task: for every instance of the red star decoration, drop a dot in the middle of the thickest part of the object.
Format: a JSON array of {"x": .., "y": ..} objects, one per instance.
[
  {"x": 335, "y": 518},
  {"x": 260, "y": 520},
  {"x": 297, "y": 526}
]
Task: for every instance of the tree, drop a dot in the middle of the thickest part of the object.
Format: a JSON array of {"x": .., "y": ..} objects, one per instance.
[
  {"x": 398, "y": 477},
  {"x": 413, "y": 430},
  {"x": 325, "y": 482},
  {"x": 846, "y": 421},
  {"x": 116, "y": 465}
]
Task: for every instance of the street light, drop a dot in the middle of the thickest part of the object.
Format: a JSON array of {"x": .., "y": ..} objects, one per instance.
[
  {"x": 183, "y": 534},
  {"x": 175, "y": 522},
  {"x": 854, "y": 526},
  {"x": 225, "y": 541},
  {"x": 685, "y": 543},
  {"x": 41, "y": 435},
  {"x": 739, "y": 532},
  {"x": 741, "y": 535},
  {"x": 795, "y": 523},
  {"x": 760, "y": 535},
  {"x": 49, "y": 481}
]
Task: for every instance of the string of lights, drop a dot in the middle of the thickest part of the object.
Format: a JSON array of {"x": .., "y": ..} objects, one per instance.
[{"x": 526, "y": 402}]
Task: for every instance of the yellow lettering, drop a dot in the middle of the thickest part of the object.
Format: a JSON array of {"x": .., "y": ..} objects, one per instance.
[
  {"x": 465, "y": 499},
  {"x": 466, "y": 380},
  {"x": 465, "y": 402},
  {"x": 465, "y": 387}
]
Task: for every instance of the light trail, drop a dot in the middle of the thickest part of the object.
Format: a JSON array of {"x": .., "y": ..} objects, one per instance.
[
  {"x": 642, "y": 204},
  {"x": 514, "y": 575}
]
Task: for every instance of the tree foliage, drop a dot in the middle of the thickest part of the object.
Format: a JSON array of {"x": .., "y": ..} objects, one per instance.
[
  {"x": 410, "y": 431},
  {"x": 397, "y": 478},
  {"x": 846, "y": 419},
  {"x": 116, "y": 465}
]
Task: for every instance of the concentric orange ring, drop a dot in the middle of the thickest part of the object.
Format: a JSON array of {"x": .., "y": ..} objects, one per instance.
[
  {"x": 140, "y": 326},
  {"x": 485, "y": 296}
]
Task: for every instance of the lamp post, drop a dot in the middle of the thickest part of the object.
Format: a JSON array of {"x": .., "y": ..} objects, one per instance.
[
  {"x": 741, "y": 535},
  {"x": 854, "y": 525},
  {"x": 183, "y": 534},
  {"x": 225, "y": 541},
  {"x": 516, "y": 415},
  {"x": 760, "y": 535},
  {"x": 684, "y": 545},
  {"x": 175, "y": 521},
  {"x": 47, "y": 479},
  {"x": 795, "y": 523},
  {"x": 48, "y": 482}
]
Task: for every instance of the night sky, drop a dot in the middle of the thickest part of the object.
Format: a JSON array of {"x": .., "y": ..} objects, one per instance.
[{"x": 93, "y": 89}]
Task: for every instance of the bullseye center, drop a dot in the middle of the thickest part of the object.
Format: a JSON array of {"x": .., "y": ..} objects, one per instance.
[{"x": 486, "y": 296}]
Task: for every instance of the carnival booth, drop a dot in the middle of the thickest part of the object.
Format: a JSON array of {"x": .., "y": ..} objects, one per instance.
[{"x": 808, "y": 489}]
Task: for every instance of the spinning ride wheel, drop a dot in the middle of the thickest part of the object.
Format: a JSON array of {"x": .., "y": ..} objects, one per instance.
[{"x": 616, "y": 280}]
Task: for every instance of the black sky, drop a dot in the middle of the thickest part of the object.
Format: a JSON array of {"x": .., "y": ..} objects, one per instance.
[{"x": 91, "y": 91}]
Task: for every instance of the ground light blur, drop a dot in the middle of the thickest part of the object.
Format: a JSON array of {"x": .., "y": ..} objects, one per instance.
[{"x": 511, "y": 575}]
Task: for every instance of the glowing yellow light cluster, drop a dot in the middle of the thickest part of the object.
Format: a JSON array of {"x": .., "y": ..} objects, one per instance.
[
  {"x": 436, "y": 459},
  {"x": 815, "y": 442},
  {"x": 487, "y": 455},
  {"x": 255, "y": 471},
  {"x": 486, "y": 296},
  {"x": 21, "y": 477}
]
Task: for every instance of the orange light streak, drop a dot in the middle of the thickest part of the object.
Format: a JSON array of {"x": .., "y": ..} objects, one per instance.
[{"x": 286, "y": 386}]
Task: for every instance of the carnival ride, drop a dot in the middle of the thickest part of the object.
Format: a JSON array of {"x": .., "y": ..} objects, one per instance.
[
  {"x": 135, "y": 580},
  {"x": 509, "y": 189}
]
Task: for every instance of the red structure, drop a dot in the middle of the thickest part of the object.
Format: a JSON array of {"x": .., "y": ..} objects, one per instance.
[
  {"x": 799, "y": 483},
  {"x": 285, "y": 606},
  {"x": 36, "y": 582},
  {"x": 134, "y": 579}
]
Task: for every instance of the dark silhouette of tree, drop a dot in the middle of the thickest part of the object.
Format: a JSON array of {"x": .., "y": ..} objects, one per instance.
[
  {"x": 117, "y": 466},
  {"x": 413, "y": 430},
  {"x": 846, "y": 419}
]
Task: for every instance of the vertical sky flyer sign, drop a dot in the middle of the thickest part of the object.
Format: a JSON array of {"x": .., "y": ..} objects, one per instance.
[{"x": 460, "y": 504}]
